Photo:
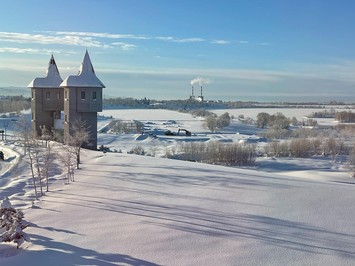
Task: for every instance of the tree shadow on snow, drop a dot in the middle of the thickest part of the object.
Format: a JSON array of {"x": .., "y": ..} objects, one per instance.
[
  {"x": 273, "y": 231},
  {"x": 9, "y": 159},
  {"x": 231, "y": 225},
  {"x": 59, "y": 253},
  {"x": 193, "y": 175}
]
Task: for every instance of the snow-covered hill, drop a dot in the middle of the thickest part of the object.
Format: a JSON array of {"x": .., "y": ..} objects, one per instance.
[
  {"x": 127, "y": 209},
  {"x": 136, "y": 210}
]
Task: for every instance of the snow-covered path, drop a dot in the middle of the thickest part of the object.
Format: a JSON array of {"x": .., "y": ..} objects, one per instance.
[{"x": 135, "y": 210}]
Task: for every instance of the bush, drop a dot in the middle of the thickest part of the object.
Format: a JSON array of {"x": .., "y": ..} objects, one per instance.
[
  {"x": 276, "y": 133},
  {"x": 345, "y": 117},
  {"x": 306, "y": 147},
  {"x": 137, "y": 150},
  {"x": 12, "y": 224},
  {"x": 220, "y": 153},
  {"x": 277, "y": 149},
  {"x": 304, "y": 133},
  {"x": 309, "y": 122},
  {"x": 300, "y": 148}
]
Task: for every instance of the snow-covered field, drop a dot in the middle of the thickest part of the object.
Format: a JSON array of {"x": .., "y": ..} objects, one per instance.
[{"x": 128, "y": 209}]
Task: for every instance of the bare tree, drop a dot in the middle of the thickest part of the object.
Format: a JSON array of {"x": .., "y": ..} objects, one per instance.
[
  {"x": 279, "y": 120},
  {"x": 223, "y": 120},
  {"x": 352, "y": 160},
  {"x": 68, "y": 158},
  {"x": 33, "y": 177},
  {"x": 48, "y": 157},
  {"x": 41, "y": 160},
  {"x": 32, "y": 150},
  {"x": 24, "y": 132},
  {"x": 46, "y": 134},
  {"x": 79, "y": 137},
  {"x": 262, "y": 119},
  {"x": 211, "y": 123}
]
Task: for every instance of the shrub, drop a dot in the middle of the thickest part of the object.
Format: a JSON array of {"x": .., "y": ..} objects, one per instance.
[
  {"x": 12, "y": 224},
  {"x": 277, "y": 149},
  {"x": 137, "y": 150},
  {"x": 309, "y": 122},
  {"x": 345, "y": 116},
  {"x": 329, "y": 147},
  {"x": 220, "y": 153},
  {"x": 306, "y": 147},
  {"x": 276, "y": 133},
  {"x": 304, "y": 133},
  {"x": 300, "y": 148}
]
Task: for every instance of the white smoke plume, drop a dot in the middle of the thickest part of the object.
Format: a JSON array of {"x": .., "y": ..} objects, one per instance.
[{"x": 200, "y": 81}]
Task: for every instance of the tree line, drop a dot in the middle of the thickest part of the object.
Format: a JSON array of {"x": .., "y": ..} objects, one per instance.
[{"x": 14, "y": 104}]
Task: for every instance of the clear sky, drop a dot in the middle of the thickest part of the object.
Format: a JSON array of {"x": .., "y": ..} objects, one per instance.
[{"x": 268, "y": 50}]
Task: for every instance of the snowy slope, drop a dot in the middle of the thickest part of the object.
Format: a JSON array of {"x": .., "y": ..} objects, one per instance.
[
  {"x": 138, "y": 210},
  {"x": 135, "y": 210}
]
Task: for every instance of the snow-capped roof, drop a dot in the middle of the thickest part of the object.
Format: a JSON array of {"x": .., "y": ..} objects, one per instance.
[
  {"x": 51, "y": 80},
  {"x": 85, "y": 78}
]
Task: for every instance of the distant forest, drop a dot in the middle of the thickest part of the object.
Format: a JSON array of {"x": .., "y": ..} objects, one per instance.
[
  {"x": 10, "y": 104},
  {"x": 189, "y": 104}
]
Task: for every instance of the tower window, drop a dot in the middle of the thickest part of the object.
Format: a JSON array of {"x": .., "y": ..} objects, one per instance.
[
  {"x": 66, "y": 95},
  {"x": 59, "y": 96},
  {"x": 33, "y": 94},
  {"x": 82, "y": 95},
  {"x": 94, "y": 95},
  {"x": 65, "y": 118},
  {"x": 48, "y": 95}
]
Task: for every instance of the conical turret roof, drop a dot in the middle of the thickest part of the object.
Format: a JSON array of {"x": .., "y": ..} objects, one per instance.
[
  {"x": 52, "y": 78},
  {"x": 85, "y": 78}
]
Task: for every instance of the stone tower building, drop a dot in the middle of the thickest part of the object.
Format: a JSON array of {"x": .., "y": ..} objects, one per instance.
[
  {"x": 46, "y": 99},
  {"x": 80, "y": 97},
  {"x": 82, "y": 100}
]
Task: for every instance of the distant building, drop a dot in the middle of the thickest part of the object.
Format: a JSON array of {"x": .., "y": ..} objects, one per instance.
[
  {"x": 79, "y": 96},
  {"x": 200, "y": 97}
]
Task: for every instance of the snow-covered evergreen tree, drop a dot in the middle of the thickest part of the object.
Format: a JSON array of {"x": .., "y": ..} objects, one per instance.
[{"x": 12, "y": 224}]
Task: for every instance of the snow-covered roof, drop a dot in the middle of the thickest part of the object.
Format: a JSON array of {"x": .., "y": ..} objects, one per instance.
[
  {"x": 85, "y": 78},
  {"x": 51, "y": 80}
]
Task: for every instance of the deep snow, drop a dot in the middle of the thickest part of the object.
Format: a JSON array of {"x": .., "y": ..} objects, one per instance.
[{"x": 136, "y": 210}]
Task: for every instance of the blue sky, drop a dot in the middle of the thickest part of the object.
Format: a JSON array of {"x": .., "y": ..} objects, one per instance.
[{"x": 241, "y": 50}]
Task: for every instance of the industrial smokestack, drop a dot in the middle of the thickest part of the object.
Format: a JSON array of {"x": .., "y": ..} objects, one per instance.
[
  {"x": 192, "y": 94},
  {"x": 201, "y": 91}
]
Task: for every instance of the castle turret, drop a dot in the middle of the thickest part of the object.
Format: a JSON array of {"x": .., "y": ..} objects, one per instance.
[
  {"x": 82, "y": 101},
  {"x": 46, "y": 99}
]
